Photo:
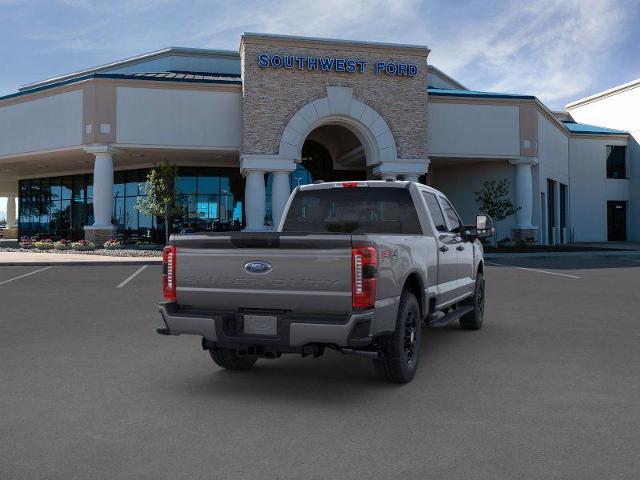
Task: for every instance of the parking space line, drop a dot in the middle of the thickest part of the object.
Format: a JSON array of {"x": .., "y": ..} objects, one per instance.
[
  {"x": 131, "y": 277},
  {"x": 533, "y": 270},
  {"x": 25, "y": 275}
]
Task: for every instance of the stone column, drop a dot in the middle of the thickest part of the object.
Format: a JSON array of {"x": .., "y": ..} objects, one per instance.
[
  {"x": 102, "y": 228},
  {"x": 255, "y": 200},
  {"x": 411, "y": 178},
  {"x": 524, "y": 229},
  {"x": 280, "y": 190}
]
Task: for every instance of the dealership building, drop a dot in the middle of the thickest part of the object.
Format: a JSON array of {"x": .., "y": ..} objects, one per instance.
[{"x": 246, "y": 127}]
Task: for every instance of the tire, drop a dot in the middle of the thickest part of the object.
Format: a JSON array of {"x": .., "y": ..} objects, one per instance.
[
  {"x": 229, "y": 359},
  {"x": 473, "y": 319},
  {"x": 401, "y": 349}
]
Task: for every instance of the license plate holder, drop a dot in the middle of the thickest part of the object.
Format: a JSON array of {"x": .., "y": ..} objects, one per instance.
[{"x": 260, "y": 324}]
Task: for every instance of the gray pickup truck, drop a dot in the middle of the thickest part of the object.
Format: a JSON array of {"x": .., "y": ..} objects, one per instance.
[{"x": 357, "y": 267}]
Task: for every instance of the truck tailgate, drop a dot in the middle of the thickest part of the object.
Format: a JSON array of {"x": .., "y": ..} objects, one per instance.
[{"x": 295, "y": 272}]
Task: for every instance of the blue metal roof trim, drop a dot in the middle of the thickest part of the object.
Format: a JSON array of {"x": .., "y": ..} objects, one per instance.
[
  {"x": 226, "y": 80},
  {"x": 585, "y": 128},
  {"x": 444, "y": 92}
]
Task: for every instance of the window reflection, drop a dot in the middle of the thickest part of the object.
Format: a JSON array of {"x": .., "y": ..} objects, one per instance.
[{"x": 59, "y": 207}]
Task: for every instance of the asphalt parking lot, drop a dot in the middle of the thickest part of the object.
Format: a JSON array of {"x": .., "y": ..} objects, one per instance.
[{"x": 548, "y": 389}]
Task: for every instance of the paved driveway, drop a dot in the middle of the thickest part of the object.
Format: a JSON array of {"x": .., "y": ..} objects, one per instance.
[{"x": 548, "y": 389}]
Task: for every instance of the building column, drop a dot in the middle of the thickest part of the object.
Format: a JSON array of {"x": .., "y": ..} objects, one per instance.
[
  {"x": 11, "y": 232},
  {"x": 408, "y": 169},
  {"x": 11, "y": 212},
  {"x": 280, "y": 190},
  {"x": 255, "y": 199},
  {"x": 524, "y": 229},
  {"x": 254, "y": 166},
  {"x": 102, "y": 228}
]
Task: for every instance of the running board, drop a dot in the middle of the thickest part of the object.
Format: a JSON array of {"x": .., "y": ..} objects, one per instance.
[{"x": 441, "y": 319}]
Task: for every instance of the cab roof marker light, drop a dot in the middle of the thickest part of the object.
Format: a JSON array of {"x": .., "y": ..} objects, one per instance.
[{"x": 350, "y": 184}]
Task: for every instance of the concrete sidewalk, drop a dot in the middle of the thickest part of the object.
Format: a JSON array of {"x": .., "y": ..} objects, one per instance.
[
  {"x": 593, "y": 253},
  {"x": 36, "y": 259}
]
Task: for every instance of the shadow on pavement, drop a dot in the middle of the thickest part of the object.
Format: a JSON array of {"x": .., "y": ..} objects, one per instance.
[{"x": 333, "y": 378}]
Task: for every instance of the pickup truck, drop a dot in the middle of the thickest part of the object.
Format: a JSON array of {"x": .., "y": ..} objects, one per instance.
[{"x": 357, "y": 267}]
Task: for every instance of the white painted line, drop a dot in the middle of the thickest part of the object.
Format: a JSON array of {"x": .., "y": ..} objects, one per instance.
[
  {"x": 533, "y": 270},
  {"x": 128, "y": 279},
  {"x": 25, "y": 275}
]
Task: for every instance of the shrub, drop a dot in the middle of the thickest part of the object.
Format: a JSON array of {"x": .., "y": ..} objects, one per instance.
[
  {"x": 46, "y": 244},
  {"x": 113, "y": 244},
  {"x": 62, "y": 245},
  {"x": 26, "y": 242},
  {"x": 83, "y": 245}
]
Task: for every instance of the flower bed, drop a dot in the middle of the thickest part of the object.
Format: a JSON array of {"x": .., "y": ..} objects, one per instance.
[
  {"x": 62, "y": 245},
  {"x": 112, "y": 248},
  {"x": 83, "y": 245},
  {"x": 113, "y": 245}
]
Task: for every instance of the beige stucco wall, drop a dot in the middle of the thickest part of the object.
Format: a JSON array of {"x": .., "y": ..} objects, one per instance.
[
  {"x": 178, "y": 117},
  {"x": 272, "y": 96},
  {"x": 460, "y": 129},
  {"x": 45, "y": 123}
]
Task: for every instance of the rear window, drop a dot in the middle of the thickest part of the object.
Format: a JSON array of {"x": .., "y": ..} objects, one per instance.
[{"x": 353, "y": 210}]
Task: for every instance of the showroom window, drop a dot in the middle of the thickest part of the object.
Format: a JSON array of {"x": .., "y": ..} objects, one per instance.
[
  {"x": 616, "y": 161},
  {"x": 59, "y": 207},
  {"x": 211, "y": 199}
]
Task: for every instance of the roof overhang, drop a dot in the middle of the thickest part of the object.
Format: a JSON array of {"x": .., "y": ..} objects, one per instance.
[{"x": 145, "y": 57}]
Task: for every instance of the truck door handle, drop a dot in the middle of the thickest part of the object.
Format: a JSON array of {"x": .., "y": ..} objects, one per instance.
[
  {"x": 460, "y": 248},
  {"x": 444, "y": 248}
]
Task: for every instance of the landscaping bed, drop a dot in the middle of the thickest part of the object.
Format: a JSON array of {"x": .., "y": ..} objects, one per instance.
[
  {"x": 127, "y": 252},
  {"x": 112, "y": 248}
]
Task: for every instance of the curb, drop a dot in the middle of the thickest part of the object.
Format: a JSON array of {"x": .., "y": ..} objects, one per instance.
[
  {"x": 595, "y": 253},
  {"x": 88, "y": 263}
]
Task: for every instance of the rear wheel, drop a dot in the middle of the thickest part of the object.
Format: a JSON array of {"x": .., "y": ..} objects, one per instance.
[
  {"x": 401, "y": 350},
  {"x": 229, "y": 359},
  {"x": 473, "y": 319}
]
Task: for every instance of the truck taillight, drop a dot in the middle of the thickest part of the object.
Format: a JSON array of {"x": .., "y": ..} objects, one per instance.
[
  {"x": 364, "y": 266},
  {"x": 169, "y": 272}
]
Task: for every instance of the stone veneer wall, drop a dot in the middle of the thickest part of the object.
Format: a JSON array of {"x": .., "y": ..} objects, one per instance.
[{"x": 272, "y": 96}]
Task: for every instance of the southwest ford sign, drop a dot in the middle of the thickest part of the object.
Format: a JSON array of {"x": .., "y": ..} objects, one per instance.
[{"x": 334, "y": 64}]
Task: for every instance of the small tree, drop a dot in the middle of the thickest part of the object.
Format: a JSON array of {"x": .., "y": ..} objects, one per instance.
[
  {"x": 495, "y": 199},
  {"x": 160, "y": 199}
]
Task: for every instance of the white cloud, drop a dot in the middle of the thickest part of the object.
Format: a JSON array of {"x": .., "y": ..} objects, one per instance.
[{"x": 546, "y": 48}]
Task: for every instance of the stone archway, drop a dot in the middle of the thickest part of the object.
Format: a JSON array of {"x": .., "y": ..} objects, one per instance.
[{"x": 339, "y": 107}]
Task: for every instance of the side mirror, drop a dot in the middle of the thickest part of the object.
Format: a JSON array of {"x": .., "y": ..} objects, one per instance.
[{"x": 484, "y": 226}]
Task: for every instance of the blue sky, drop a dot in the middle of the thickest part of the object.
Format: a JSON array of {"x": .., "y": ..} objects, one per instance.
[{"x": 557, "y": 50}]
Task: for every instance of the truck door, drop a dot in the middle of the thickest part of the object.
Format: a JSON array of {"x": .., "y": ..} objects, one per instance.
[
  {"x": 447, "y": 242},
  {"x": 463, "y": 247}
]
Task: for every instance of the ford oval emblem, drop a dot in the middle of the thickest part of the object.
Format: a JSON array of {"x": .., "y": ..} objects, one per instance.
[{"x": 257, "y": 266}]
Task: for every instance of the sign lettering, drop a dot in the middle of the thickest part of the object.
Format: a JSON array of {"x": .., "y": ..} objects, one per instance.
[{"x": 332, "y": 64}]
